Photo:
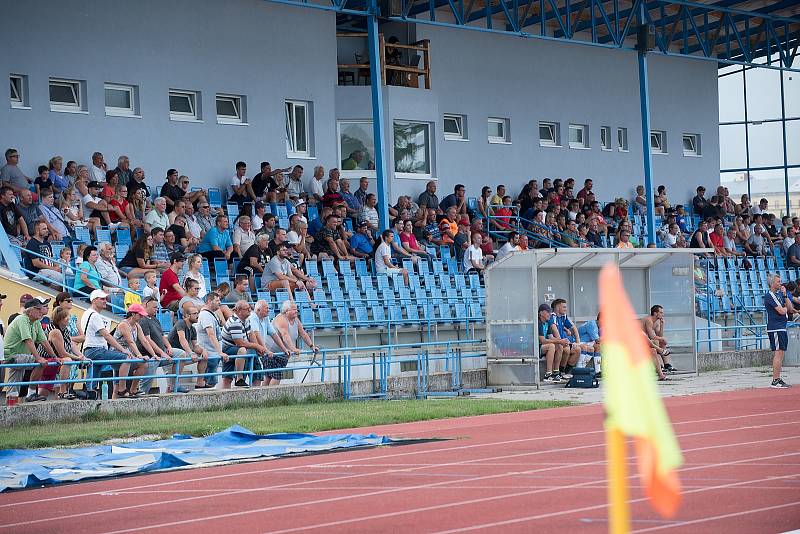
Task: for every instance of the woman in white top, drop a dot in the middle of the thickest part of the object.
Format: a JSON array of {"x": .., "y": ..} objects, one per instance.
[
  {"x": 194, "y": 272},
  {"x": 243, "y": 235}
]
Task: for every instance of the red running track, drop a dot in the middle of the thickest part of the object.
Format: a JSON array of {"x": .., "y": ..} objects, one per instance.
[{"x": 519, "y": 472}]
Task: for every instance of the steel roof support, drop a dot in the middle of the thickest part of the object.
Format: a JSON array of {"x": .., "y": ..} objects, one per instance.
[
  {"x": 375, "y": 78},
  {"x": 647, "y": 156}
]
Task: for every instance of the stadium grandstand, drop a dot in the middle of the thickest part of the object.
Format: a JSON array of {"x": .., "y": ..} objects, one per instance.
[{"x": 208, "y": 195}]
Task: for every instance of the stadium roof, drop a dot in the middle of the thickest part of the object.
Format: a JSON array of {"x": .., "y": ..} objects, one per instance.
[{"x": 727, "y": 31}]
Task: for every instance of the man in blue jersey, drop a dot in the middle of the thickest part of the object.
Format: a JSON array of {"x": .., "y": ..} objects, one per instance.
[
  {"x": 777, "y": 306},
  {"x": 567, "y": 330},
  {"x": 550, "y": 345}
]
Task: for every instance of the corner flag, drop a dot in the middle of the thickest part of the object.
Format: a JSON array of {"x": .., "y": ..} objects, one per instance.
[{"x": 633, "y": 408}]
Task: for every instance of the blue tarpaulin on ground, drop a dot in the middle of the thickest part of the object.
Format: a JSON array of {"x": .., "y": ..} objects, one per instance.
[{"x": 21, "y": 468}]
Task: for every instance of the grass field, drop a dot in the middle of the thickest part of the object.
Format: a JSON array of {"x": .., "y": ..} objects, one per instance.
[{"x": 285, "y": 415}]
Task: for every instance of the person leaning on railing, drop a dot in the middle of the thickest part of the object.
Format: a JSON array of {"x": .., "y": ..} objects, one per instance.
[{"x": 61, "y": 340}]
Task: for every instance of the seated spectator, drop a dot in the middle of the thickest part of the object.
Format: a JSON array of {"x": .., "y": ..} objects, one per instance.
[
  {"x": 209, "y": 330},
  {"x": 328, "y": 242},
  {"x": 757, "y": 244},
  {"x": 279, "y": 274},
  {"x": 593, "y": 235},
  {"x": 430, "y": 229},
  {"x": 264, "y": 185},
  {"x": 763, "y": 207},
  {"x": 94, "y": 207},
  {"x": 712, "y": 209},
  {"x": 243, "y": 235},
  {"x": 107, "y": 267},
  {"x": 487, "y": 243},
  {"x": 157, "y": 218},
  {"x": 183, "y": 337},
  {"x": 671, "y": 237},
  {"x": 217, "y": 242},
  {"x": 699, "y": 201},
  {"x": 138, "y": 260},
  {"x": 793, "y": 254},
  {"x": 23, "y": 333},
  {"x": 370, "y": 214},
  {"x": 744, "y": 206},
  {"x": 700, "y": 238},
  {"x": 428, "y": 198},
  {"x": 170, "y": 287},
  {"x": 456, "y": 199},
  {"x": 550, "y": 345},
  {"x": 509, "y": 246},
  {"x": 270, "y": 225},
  {"x": 570, "y": 235},
  {"x": 87, "y": 278},
  {"x": 502, "y": 219},
  {"x": 171, "y": 192},
  {"x": 624, "y": 238},
  {"x": 254, "y": 259},
  {"x": 60, "y": 339},
  {"x": 568, "y": 331},
  {"x": 10, "y": 174},
  {"x": 260, "y": 330},
  {"x": 43, "y": 181},
  {"x": 279, "y": 239},
  {"x": 241, "y": 186},
  {"x": 497, "y": 199},
  {"x": 485, "y": 199},
  {"x": 680, "y": 218},
  {"x": 717, "y": 239},
  {"x": 661, "y": 202},
  {"x": 474, "y": 260},
  {"x": 362, "y": 244},
  {"x": 133, "y": 296},
  {"x": 332, "y": 197},
  {"x": 730, "y": 243},
  {"x": 654, "y": 329},
  {"x": 39, "y": 268},
  {"x": 288, "y": 326},
  {"x": 640, "y": 202},
  {"x": 236, "y": 342},
  {"x": 137, "y": 182},
  {"x": 29, "y": 209},
  {"x": 315, "y": 225},
  {"x": 316, "y": 189},
  {"x": 160, "y": 255},
  {"x": 383, "y": 257},
  {"x": 788, "y": 241},
  {"x": 399, "y": 253},
  {"x": 409, "y": 240},
  {"x": 191, "y": 297}
]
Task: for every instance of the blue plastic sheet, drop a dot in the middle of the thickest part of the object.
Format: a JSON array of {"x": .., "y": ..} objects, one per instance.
[{"x": 21, "y": 468}]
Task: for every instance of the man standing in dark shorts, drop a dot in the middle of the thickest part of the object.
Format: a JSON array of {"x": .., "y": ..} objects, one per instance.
[{"x": 777, "y": 306}]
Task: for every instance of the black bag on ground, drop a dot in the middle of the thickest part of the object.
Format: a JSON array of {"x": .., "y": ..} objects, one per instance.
[{"x": 583, "y": 377}]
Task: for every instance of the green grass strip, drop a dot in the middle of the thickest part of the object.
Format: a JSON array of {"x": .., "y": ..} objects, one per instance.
[{"x": 283, "y": 415}]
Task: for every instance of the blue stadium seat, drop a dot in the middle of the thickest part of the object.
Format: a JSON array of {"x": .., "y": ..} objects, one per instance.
[
  {"x": 361, "y": 315},
  {"x": 82, "y": 234},
  {"x": 361, "y": 267},
  {"x": 124, "y": 238},
  {"x": 214, "y": 197},
  {"x": 312, "y": 269}
]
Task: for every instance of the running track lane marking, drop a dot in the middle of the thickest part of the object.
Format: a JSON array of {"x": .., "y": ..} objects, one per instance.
[
  {"x": 377, "y": 457},
  {"x": 173, "y": 501},
  {"x": 428, "y": 486},
  {"x": 601, "y": 506},
  {"x": 723, "y": 516}
]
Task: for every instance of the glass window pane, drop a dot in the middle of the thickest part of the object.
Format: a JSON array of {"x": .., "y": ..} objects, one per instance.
[
  {"x": 770, "y": 185},
  {"x": 62, "y": 93},
  {"x": 791, "y": 92},
  {"x": 575, "y": 135},
  {"x": 546, "y": 133},
  {"x": 15, "y": 89},
  {"x": 411, "y": 148},
  {"x": 763, "y": 94},
  {"x": 732, "y": 147},
  {"x": 736, "y": 182},
  {"x": 180, "y": 104},
  {"x": 766, "y": 144},
  {"x": 794, "y": 192},
  {"x": 118, "y": 98},
  {"x": 226, "y": 107},
  {"x": 301, "y": 137},
  {"x": 731, "y": 98},
  {"x": 496, "y": 129},
  {"x": 451, "y": 126},
  {"x": 356, "y": 146}
]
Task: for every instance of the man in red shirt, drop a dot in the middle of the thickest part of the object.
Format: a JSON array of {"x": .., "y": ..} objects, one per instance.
[
  {"x": 170, "y": 287},
  {"x": 717, "y": 238}
]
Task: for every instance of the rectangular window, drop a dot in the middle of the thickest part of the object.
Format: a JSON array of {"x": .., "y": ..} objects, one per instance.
[
  {"x": 622, "y": 139},
  {"x": 455, "y": 127},
  {"x": 297, "y": 129},
  {"x": 691, "y": 144},
  {"x": 230, "y": 109},
  {"x": 412, "y": 149},
  {"x": 499, "y": 130},
  {"x": 658, "y": 142},
  {"x": 19, "y": 91},
  {"x": 66, "y": 95},
  {"x": 605, "y": 137},
  {"x": 356, "y": 148},
  {"x": 120, "y": 100},
  {"x": 578, "y": 137},
  {"x": 549, "y": 134},
  {"x": 183, "y": 105}
]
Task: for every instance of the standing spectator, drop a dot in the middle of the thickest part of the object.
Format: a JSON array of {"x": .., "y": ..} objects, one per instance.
[
  {"x": 170, "y": 287},
  {"x": 183, "y": 337},
  {"x": 99, "y": 339},
  {"x": 20, "y": 340},
  {"x": 699, "y": 201},
  {"x": 457, "y": 198},
  {"x": 290, "y": 329},
  {"x": 217, "y": 243},
  {"x": 428, "y": 198},
  {"x": 99, "y": 167},
  {"x": 235, "y": 343},
  {"x": 241, "y": 186},
  {"x": 41, "y": 268},
  {"x": 10, "y": 174},
  {"x": 157, "y": 218},
  {"x": 776, "y": 305}
]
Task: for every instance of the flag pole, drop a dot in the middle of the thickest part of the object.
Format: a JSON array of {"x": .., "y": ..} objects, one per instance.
[{"x": 619, "y": 517}]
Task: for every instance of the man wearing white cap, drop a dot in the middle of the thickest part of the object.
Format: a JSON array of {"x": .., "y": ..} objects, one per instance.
[{"x": 99, "y": 339}]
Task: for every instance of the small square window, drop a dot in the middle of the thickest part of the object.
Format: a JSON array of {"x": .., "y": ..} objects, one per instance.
[
  {"x": 622, "y": 139},
  {"x": 19, "y": 91},
  {"x": 230, "y": 109},
  {"x": 120, "y": 100},
  {"x": 605, "y": 137},
  {"x": 183, "y": 105},
  {"x": 578, "y": 137},
  {"x": 499, "y": 130},
  {"x": 691, "y": 144},
  {"x": 549, "y": 134},
  {"x": 455, "y": 127},
  {"x": 658, "y": 142},
  {"x": 66, "y": 95}
]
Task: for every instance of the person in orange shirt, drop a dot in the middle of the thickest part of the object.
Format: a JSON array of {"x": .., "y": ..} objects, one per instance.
[{"x": 623, "y": 239}]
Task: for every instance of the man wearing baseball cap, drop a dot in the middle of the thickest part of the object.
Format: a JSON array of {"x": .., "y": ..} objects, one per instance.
[
  {"x": 24, "y": 332},
  {"x": 129, "y": 334},
  {"x": 100, "y": 345},
  {"x": 549, "y": 344}
]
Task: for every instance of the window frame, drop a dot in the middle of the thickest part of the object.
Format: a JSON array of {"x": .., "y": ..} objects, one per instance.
[
  {"x": 21, "y": 102},
  {"x": 77, "y": 91},
  {"x": 290, "y": 151},
  {"x": 428, "y": 147},
  {"x": 506, "y": 126},
  {"x": 461, "y": 122},
  {"x": 622, "y": 139},
  {"x": 357, "y": 173},
  {"x": 239, "y": 104},
  {"x": 661, "y": 145},
  {"x": 554, "y": 128},
  {"x": 194, "y": 103},
  {"x": 696, "y": 152},
  {"x": 605, "y": 144},
  {"x": 584, "y": 143},
  {"x": 113, "y": 111}
]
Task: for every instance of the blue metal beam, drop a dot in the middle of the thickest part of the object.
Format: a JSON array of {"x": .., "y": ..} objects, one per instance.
[
  {"x": 378, "y": 126},
  {"x": 647, "y": 156}
]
